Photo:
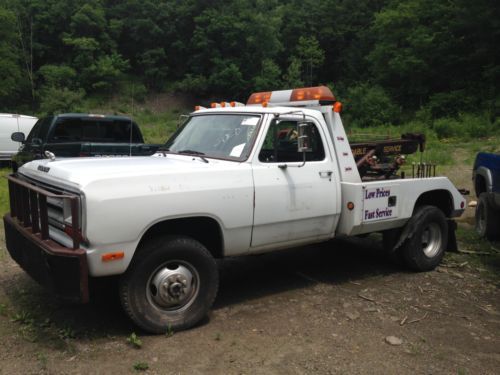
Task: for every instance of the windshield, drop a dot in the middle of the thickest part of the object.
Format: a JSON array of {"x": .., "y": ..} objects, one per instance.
[{"x": 218, "y": 135}]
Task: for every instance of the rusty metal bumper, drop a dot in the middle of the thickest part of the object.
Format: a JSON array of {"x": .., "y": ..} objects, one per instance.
[{"x": 63, "y": 271}]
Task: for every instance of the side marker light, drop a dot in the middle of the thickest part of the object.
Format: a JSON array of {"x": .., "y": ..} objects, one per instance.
[{"x": 108, "y": 257}]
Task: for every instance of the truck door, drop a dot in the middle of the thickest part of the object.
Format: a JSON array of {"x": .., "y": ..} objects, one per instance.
[{"x": 294, "y": 202}]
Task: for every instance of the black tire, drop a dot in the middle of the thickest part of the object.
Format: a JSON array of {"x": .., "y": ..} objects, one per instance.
[
  {"x": 487, "y": 218},
  {"x": 426, "y": 239},
  {"x": 170, "y": 285}
]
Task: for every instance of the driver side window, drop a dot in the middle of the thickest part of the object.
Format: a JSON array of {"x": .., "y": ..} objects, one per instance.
[{"x": 280, "y": 144}]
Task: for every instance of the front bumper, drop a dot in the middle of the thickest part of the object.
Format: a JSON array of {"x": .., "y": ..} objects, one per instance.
[{"x": 62, "y": 270}]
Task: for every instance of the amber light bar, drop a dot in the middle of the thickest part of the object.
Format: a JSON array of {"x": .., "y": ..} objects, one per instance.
[{"x": 320, "y": 94}]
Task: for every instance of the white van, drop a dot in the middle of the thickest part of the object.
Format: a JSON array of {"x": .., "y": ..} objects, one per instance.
[{"x": 10, "y": 123}]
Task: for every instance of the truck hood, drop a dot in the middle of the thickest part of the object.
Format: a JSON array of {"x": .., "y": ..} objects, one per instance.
[{"x": 76, "y": 173}]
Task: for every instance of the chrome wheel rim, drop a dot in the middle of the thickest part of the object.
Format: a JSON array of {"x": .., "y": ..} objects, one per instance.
[
  {"x": 431, "y": 240},
  {"x": 173, "y": 286}
]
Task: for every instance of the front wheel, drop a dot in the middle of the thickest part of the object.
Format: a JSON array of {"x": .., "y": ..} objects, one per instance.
[
  {"x": 427, "y": 238},
  {"x": 170, "y": 285}
]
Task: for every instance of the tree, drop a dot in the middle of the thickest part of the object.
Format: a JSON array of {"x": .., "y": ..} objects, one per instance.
[
  {"x": 11, "y": 76},
  {"x": 292, "y": 78},
  {"x": 311, "y": 55},
  {"x": 269, "y": 77}
]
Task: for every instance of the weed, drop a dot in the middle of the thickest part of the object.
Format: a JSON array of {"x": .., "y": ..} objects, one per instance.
[
  {"x": 461, "y": 371},
  {"x": 23, "y": 317},
  {"x": 141, "y": 366},
  {"x": 170, "y": 331},
  {"x": 28, "y": 333},
  {"x": 134, "y": 341},
  {"x": 67, "y": 332},
  {"x": 46, "y": 323},
  {"x": 218, "y": 337},
  {"x": 42, "y": 358},
  {"x": 415, "y": 349},
  {"x": 3, "y": 309}
]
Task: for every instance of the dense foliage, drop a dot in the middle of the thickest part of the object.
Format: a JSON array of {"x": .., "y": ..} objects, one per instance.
[{"x": 386, "y": 59}]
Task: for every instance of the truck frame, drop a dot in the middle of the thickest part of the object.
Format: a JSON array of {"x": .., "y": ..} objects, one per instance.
[{"x": 233, "y": 180}]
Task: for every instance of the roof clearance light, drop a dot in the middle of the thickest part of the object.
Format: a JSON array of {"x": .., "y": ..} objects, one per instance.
[
  {"x": 198, "y": 107},
  {"x": 215, "y": 105},
  {"x": 237, "y": 104},
  {"x": 259, "y": 97},
  {"x": 337, "y": 107},
  {"x": 321, "y": 93}
]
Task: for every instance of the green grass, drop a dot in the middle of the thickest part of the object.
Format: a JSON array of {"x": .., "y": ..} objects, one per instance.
[
  {"x": 4, "y": 191},
  {"x": 157, "y": 127}
]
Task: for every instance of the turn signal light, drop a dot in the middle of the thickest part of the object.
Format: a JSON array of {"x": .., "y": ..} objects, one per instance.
[
  {"x": 108, "y": 257},
  {"x": 337, "y": 107}
]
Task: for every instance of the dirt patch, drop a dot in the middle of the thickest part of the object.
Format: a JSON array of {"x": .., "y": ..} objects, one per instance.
[
  {"x": 321, "y": 309},
  {"x": 160, "y": 103}
]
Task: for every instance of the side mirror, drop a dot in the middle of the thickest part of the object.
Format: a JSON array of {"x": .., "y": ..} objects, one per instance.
[
  {"x": 18, "y": 137},
  {"x": 303, "y": 140}
]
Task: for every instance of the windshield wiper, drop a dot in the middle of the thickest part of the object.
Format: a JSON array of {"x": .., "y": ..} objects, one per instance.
[{"x": 193, "y": 152}]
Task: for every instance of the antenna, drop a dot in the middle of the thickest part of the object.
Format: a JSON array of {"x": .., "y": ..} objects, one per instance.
[
  {"x": 130, "y": 140},
  {"x": 17, "y": 119},
  {"x": 130, "y": 135}
]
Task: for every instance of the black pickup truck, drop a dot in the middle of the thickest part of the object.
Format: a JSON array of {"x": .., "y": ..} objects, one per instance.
[{"x": 79, "y": 135}]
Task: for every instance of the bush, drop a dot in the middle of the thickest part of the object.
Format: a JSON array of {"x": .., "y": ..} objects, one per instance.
[
  {"x": 367, "y": 105},
  {"x": 134, "y": 90},
  {"x": 465, "y": 126},
  {"x": 56, "y": 100},
  {"x": 58, "y": 75},
  {"x": 193, "y": 84},
  {"x": 449, "y": 104}
]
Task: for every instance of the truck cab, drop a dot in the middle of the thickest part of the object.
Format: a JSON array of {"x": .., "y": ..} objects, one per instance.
[{"x": 79, "y": 135}]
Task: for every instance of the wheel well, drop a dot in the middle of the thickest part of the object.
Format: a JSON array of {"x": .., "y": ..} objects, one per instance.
[
  {"x": 479, "y": 184},
  {"x": 203, "y": 229},
  {"x": 439, "y": 198}
]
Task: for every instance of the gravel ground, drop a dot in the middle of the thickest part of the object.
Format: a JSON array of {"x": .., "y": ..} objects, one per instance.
[{"x": 338, "y": 307}]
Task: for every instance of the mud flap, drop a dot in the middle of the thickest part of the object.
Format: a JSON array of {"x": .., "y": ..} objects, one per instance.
[{"x": 452, "y": 238}]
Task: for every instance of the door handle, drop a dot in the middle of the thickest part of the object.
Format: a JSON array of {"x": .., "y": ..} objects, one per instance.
[{"x": 325, "y": 174}]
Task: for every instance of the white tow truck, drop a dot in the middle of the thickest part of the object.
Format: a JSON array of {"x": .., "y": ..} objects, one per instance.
[{"x": 233, "y": 180}]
